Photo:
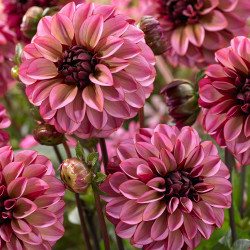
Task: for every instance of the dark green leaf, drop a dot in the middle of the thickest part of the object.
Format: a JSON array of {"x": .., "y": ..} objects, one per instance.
[
  {"x": 97, "y": 190},
  {"x": 79, "y": 151},
  {"x": 93, "y": 158},
  {"x": 100, "y": 177}
]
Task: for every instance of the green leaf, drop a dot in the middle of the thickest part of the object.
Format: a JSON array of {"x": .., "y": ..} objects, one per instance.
[
  {"x": 97, "y": 190},
  {"x": 226, "y": 239},
  {"x": 242, "y": 244},
  {"x": 100, "y": 177},
  {"x": 79, "y": 151},
  {"x": 93, "y": 158}
]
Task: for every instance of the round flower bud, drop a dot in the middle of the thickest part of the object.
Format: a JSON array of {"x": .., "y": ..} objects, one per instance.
[
  {"x": 30, "y": 21},
  {"x": 182, "y": 100},
  {"x": 75, "y": 174},
  {"x": 46, "y": 134},
  {"x": 15, "y": 72},
  {"x": 153, "y": 34}
]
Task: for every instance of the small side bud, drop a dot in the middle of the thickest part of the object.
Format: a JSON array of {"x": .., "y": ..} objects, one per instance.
[
  {"x": 30, "y": 21},
  {"x": 46, "y": 134},
  {"x": 154, "y": 36},
  {"x": 15, "y": 72},
  {"x": 75, "y": 174},
  {"x": 182, "y": 99}
]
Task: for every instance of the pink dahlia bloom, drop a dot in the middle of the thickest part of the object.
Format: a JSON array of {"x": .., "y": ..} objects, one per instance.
[
  {"x": 4, "y": 123},
  {"x": 31, "y": 201},
  {"x": 7, "y": 52},
  {"x": 89, "y": 69},
  {"x": 225, "y": 99},
  {"x": 169, "y": 191},
  {"x": 197, "y": 28}
]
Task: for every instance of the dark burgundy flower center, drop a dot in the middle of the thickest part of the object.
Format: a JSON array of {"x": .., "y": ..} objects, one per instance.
[
  {"x": 6, "y": 205},
  {"x": 243, "y": 96},
  {"x": 76, "y": 66},
  {"x": 180, "y": 11},
  {"x": 179, "y": 184}
]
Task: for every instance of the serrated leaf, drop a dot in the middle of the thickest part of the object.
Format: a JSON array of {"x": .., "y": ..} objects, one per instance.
[
  {"x": 79, "y": 151},
  {"x": 93, "y": 158},
  {"x": 242, "y": 244},
  {"x": 97, "y": 190},
  {"x": 100, "y": 177},
  {"x": 226, "y": 239}
]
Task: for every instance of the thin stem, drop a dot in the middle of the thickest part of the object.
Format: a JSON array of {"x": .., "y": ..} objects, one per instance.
[
  {"x": 57, "y": 152},
  {"x": 78, "y": 203},
  {"x": 67, "y": 150},
  {"x": 164, "y": 70},
  {"x": 105, "y": 162},
  {"x": 243, "y": 187},
  {"x": 141, "y": 117},
  {"x": 83, "y": 224},
  {"x": 104, "y": 153},
  {"x": 102, "y": 221},
  {"x": 229, "y": 160},
  {"x": 92, "y": 228}
]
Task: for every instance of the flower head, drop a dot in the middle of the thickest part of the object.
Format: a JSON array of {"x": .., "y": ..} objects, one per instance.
[
  {"x": 31, "y": 201},
  {"x": 197, "y": 28},
  {"x": 89, "y": 69},
  {"x": 4, "y": 123},
  {"x": 169, "y": 190},
  {"x": 182, "y": 100},
  {"x": 7, "y": 52},
  {"x": 225, "y": 99}
]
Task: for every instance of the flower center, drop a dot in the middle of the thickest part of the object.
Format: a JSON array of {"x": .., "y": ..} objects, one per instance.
[
  {"x": 244, "y": 97},
  {"x": 179, "y": 184},
  {"x": 180, "y": 12},
  {"x": 76, "y": 65},
  {"x": 6, "y": 206}
]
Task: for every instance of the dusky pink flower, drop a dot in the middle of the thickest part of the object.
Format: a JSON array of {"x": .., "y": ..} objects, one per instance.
[
  {"x": 89, "y": 69},
  {"x": 4, "y": 123},
  {"x": 169, "y": 190},
  {"x": 225, "y": 99},
  {"x": 7, "y": 52},
  {"x": 198, "y": 28},
  {"x": 31, "y": 201}
]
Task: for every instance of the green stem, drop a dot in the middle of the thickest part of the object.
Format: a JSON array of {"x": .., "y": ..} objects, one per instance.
[
  {"x": 243, "y": 188},
  {"x": 229, "y": 160}
]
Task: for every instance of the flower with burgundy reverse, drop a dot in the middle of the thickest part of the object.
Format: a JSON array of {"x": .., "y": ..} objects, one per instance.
[
  {"x": 89, "y": 69},
  {"x": 7, "y": 52},
  {"x": 4, "y": 123},
  {"x": 182, "y": 99},
  {"x": 31, "y": 201},
  {"x": 197, "y": 28},
  {"x": 225, "y": 99},
  {"x": 169, "y": 190}
]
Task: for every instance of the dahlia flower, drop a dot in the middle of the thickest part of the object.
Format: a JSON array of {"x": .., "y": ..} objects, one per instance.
[
  {"x": 225, "y": 99},
  {"x": 182, "y": 99},
  {"x": 7, "y": 52},
  {"x": 31, "y": 201},
  {"x": 169, "y": 190},
  {"x": 89, "y": 69},
  {"x": 197, "y": 28},
  {"x": 4, "y": 123}
]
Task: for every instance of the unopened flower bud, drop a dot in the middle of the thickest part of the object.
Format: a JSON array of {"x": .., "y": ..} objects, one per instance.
[
  {"x": 154, "y": 36},
  {"x": 182, "y": 100},
  {"x": 15, "y": 72},
  {"x": 75, "y": 174},
  {"x": 30, "y": 21},
  {"x": 46, "y": 134}
]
